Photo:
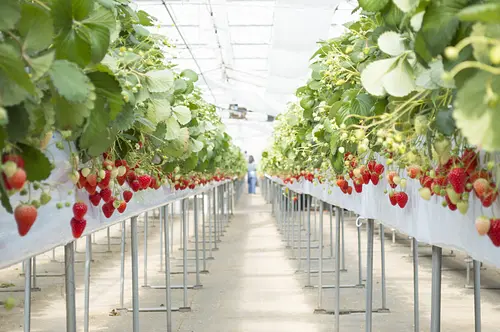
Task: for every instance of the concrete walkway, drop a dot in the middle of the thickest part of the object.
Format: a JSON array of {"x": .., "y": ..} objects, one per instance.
[{"x": 253, "y": 285}]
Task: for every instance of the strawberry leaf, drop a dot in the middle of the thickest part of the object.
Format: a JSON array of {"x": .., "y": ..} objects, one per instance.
[
  {"x": 106, "y": 86},
  {"x": 36, "y": 27},
  {"x": 476, "y": 111},
  {"x": 173, "y": 129},
  {"x": 189, "y": 75},
  {"x": 5, "y": 197},
  {"x": 41, "y": 65},
  {"x": 485, "y": 12},
  {"x": 182, "y": 114},
  {"x": 18, "y": 125},
  {"x": 98, "y": 135},
  {"x": 160, "y": 80},
  {"x": 373, "y": 5},
  {"x": 12, "y": 67},
  {"x": 10, "y": 12},
  {"x": 36, "y": 164},
  {"x": 70, "y": 81},
  {"x": 70, "y": 116}
]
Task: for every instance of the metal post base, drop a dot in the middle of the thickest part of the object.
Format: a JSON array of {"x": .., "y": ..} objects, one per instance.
[
  {"x": 159, "y": 309},
  {"x": 185, "y": 309}
]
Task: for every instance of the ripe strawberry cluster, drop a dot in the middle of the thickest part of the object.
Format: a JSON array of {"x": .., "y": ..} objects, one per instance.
[
  {"x": 455, "y": 179},
  {"x": 359, "y": 174}
]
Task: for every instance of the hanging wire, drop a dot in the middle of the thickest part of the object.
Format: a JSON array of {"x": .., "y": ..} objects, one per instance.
[
  {"x": 224, "y": 69},
  {"x": 189, "y": 49}
]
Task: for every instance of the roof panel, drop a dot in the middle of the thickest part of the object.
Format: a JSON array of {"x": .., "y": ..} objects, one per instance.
[
  {"x": 249, "y": 15},
  {"x": 242, "y": 35},
  {"x": 245, "y": 51}
]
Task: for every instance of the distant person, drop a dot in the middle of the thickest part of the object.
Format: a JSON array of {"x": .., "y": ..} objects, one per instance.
[{"x": 252, "y": 175}]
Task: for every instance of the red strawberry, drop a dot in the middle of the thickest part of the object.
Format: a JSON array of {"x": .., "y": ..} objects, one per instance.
[
  {"x": 393, "y": 185},
  {"x": 358, "y": 187},
  {"x": 82, "y": 181},
  {"x": 121, "y": 179},
  {"x": 144, "y": 180},
  {"x": 451, "y": 206},
  {"x": 371, "y": 165},
  {"x": 120, "y": 162},
  {"x": 90, "y": 189},
  {"x": 122, "y": 207},
  {"x": 7, "y": 185},
  {"x": 108, "y": 209},
  {"x": 402, "y": 199},
  {"x": 375, "y": 178},
  {"x": 95, "y": 199},
  {"x": 135, "y": 185},
  {"x": 349, "y": 190},
  {"x": 393, "y": 198},
  {"x": 494, "y": 232},
  {"x": 481, "y": 174},
  {"x": 127, "y": 195},
  {"x": 470, "y": 160},
  {"x": 366, "y": 177},
  {"x": 413, "y": 171},
  {"x": 106, "y": 194},
  {"x": 379, "y": 169},
  {"x": 77, "y": 227},
  {"x": 489, "y": 198},
  {"x": 458, "y": 179},
  {"x": 18, "y": 179},
  {"x": 15, "y": 158},
  {"x": 131, "y": 176},
  {"x": 25, "y": 216},
  {"x": 79, "y": 210},
  {"x": 92, "y": 179}
]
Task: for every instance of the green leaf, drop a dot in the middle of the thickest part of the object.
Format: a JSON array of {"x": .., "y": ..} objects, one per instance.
[
  {"x": 141, "y": 31},
  {"x": 42, "y": 117},
  {"x": 391, "y": 43},
  {"x": 108, "y": 87},
  {"x": 5, "y": 197},
  {"x": 173, "y": 129},
  {"x": 18, "y": 125},
  {"x": 431, "y": 78},
  {"x": 196, "y": 145},
  {"x": 486, "y": 12},
  {"x": 10, "y": 93},
  {"x": 97, "y": 136},
  {"x": 110, "y": 4},
  {"x": 41, "y": 65},
  {"x": 160, "y": 80},
  {"x": 98, "y": 29},
  {"x": 440, "y": 24},
  {"x": 362, "y": 104},
  {"x": 421, "y": 51},
  {"x": 481, "y": 49},
  {"x": 393, "y": 16},
  {"x": 406, "y": 5},
  {"x": 124, "y": 120},
  {"x": 180, "y": 85},
  {"x": 182, "y": 114},
  {"x": 36, "y": 27},
  {"x": 445, "y": 123},
  {"x": 399, "y": 82},
  {"x": 373, "y": 5},
  {"x": 36, "y": 164},
  {"x": 162, "y": 109},
  {"x": 10, "y": 12},
  {"x": 144, "y": 18},
  {"x": 12, "y": 67},
  {"x": 158, "y": 136},
  {"x": 476, "y": 112},
  {"x": 314, "y": 85},
  {"x": 70, "y": 81},
  {"x": 70, "y": 116},
  {"x": 190, "y": 75},
  {"x": 372, "y": 76}
]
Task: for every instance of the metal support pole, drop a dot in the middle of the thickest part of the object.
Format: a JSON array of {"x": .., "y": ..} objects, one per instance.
[
  {"x": 308, "y": 243},
  {"x": 34, "y": 272},
  {"x": 369, "y": 277},
  {"x": 184, "y": 257},
  {"x": 88, "y": 260},
  {"x": 196, "y": 245},
  {"x": 27, "y": 295},
  {"x": 146, "y": 249},
  {"x": 203, "y": 233},
  {"x": 162, "y": 210},
  {"x": 337, "y": 269},
  {"x": 320, "y": 273},
  {"x": 300, "y": 232},
  {"x": 134, "y": 243},
  {"x": 360, "y": 264},
  {"x": 331, "y": 231},
  {"x": 168, "y": 292},
  {"x": 382, "y": 265},
  {"x": 343, "y": 240},
  {"x": 293, "y": 227},
  {"x": 437, "y": 257},
  {"x": 109, "y": 239},
  {"x": 69, "y": 282},
  {"x": 122, "y": 267},
  {"x": 416, "y": 307},
  {"x": 215, "y": 218},
  {"x": 172, "y": 214},
  {"x": 210, "y": 231},
  {"x": 477, "y": 295}
]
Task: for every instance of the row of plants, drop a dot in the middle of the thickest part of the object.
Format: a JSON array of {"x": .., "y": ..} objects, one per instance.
[
  {"x": 409, "y": 93},
  {"x": 89, "y": 80}
]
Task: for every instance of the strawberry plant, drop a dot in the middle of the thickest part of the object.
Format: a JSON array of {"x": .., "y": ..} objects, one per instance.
[
  {"x": 408, "y": 93},
  {"x": 89, "y": 80}
]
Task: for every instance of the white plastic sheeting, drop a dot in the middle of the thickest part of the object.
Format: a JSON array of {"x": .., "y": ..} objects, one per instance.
[
  {"x": 427, "y": 221},
  {"x": 251, "y": 52}
]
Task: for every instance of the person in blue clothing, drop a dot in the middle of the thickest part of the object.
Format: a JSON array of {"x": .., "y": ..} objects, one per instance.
[{"x": 252, "y": 175}]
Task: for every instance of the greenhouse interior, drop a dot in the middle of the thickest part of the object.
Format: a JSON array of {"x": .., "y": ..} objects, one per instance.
[{"x": 249, "y": 165}]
